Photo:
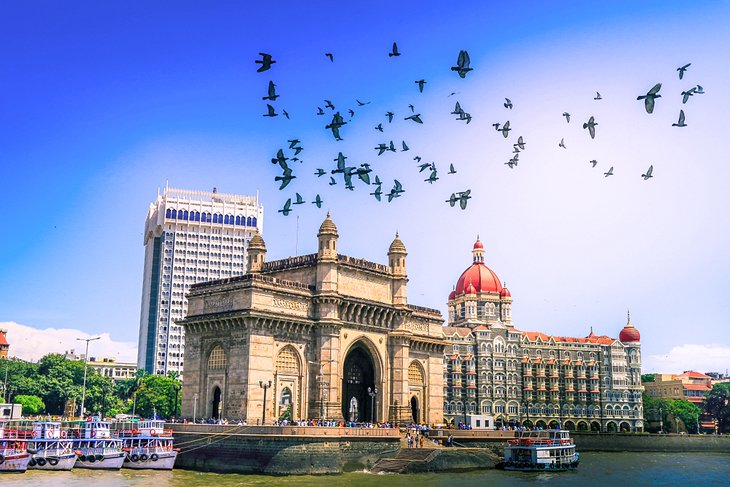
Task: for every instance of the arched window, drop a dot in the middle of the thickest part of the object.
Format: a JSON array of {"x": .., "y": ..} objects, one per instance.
[
  {"x": 185, "y": 215},
  {"x": 254, "y": 222},
  {"x": 415, "y": 374},
  {"x": 220, "y": 218},
  {"x": 217, "y": 358},
  {"x": 174, "y": 214},
  {"x": 249, "y": 222},
  {"x": 197, "y": 216},
  {"x": 225, "y": 220},
  {"x": 215, "y": 217},
  {"x": 287, "y": 362},
  {"x": 238, "y": 220},
  {"x": 168, "y": 213}
]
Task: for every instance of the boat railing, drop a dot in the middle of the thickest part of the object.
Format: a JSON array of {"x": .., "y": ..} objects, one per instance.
[{"x": 540, "y": 441}]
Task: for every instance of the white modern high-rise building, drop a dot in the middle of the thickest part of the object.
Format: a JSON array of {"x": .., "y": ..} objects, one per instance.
[{"x": 190, "y": 236}]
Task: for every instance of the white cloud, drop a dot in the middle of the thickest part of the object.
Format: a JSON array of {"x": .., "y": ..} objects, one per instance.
[
  {"x": 30, "y": 343},
  {"x": 701, "y": 358}
]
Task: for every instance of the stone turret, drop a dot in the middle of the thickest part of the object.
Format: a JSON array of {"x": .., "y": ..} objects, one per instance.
[
  {"x": 397, "y": 262},
  {"x": 327, "y": 256},
  {"x": 256, "y": 253}
]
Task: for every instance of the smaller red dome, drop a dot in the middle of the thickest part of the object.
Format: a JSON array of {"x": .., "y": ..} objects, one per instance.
[
  {"x": 478, "y": 245},
  {"x": 504, "y": 293},
  {"x": 629, "y": 334},
  {"x": 452, "y": 295}
]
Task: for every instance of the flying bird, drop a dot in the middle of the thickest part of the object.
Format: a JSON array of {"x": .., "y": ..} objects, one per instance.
[
  {"x": 421, "y": 82},
  {"x": 328, "y": 104},
  {"x": 594, "y": 162},
  {"x": 391, "y": 146},
  {"x": 598, "y": 96},
  {"x": 609, "y": 172},
  {"x": 433, "y": 177},
  {"x": 462, "y": 197},
  {"x": 562, "y": 143},
  {"x": 361, "y": 104},
  {"x": 381, "y": 148},
  {"x": 423, "y": 167},
  {"x": 451, "y": 169},
  {"x": 394, "y": 51},
  {"x": 462, "y": 64},
  {"x": 457, "y": 109},
  {"x": 648, "y": 175},
  {"x": 700, "y": 90},
  {"x": 329, "y": 55},
  {"x": 412, "y": 108},
  {"x": 377, "y": 193},
  {"x": 285, "y": 178},
  {"x": 687, "y": 94},
  {"x": 416, "y": 118},
  {"x": 682, "y": 69},
  {"x": 320, "y": 172},
  {"x": 680, "y": 122},
  {"x": 591, "y": 126},
  {"x": 417, "y": 158},
  {"x": 337, "y": 122},
  {"x": 270, "y": 112},
  {"x": 286, "y": 114},
  {"x": 320, "y": 111},
  {"x": 465, "y": 116},
  {"x": 287, "y": 208},
  {"x": 390, "y": 116},
  {"x": 650, "y": 96},
  {"x": 272, "y": 92},
  {"x": 405, "y": 147},
  {"x": 299, "y": 200},
  {"x": 505, "y": 129},
  {"x": 317, "y": 201},
  {"x": 396, "y": 191},
  {"x": 520, "y": 143},
  {"x": 280, "y": 159},
  {"x": 567, "y": 116},
  {"x": 265, "y": 62},
  {"x": 379, "y": 127},
  {"x": 332, "y": 181},
  {"x": 496, "y": 126},
  {"x": 293, "y": 143},
  {"x": 351, "y": 112},
  {"x": 508, "y": 103}
]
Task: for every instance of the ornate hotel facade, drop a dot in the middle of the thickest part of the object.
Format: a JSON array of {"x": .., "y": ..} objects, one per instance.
[
  {"x": 315, "y": 336},
  {"x": 530, "y": 378}
]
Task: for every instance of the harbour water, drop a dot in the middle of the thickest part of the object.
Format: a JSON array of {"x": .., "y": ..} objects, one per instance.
[{"x": 596, "y": 469}]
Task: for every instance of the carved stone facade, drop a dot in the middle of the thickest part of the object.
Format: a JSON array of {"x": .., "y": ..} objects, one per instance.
[{"x": 333, "y": 334}]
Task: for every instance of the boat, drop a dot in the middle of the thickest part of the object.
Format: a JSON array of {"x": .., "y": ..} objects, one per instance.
[
  {"x": 50, "y": 447},
  {"x": 94, "y": 445},
  {"x": 147, "y": 444},
  {"x": 550, "y": 450},
  {"x": 14, "y": 456}
]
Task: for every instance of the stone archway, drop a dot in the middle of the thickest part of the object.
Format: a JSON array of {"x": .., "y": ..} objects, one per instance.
[
  {"x": 216, "y": 405},
  {"x": 415, "y": 411},
  {"x": 358, "y": 375},
  {"x": 569, "y": 425},
  {"x": 624, "y": 427},
  {"x": 541, "y": 424},
  {"x": 595, "y": 426},
  {"x": 582, "y": 426}
]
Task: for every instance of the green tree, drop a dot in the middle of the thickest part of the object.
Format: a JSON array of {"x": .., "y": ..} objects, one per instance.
[
  {"x": 156, "y": 393},
  {"x": 647, "y": 377},
  {"x": 686, "y": 412},
  {"x": 656, "y": 412},
  {"x": 31, "y": 404},
  {"x": 717, "y": 404}
]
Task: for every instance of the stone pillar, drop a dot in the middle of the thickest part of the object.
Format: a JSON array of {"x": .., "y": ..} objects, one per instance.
[
  {"x": 330, "y": 359},
  {"x": 435, "y": 387},
  {"x": 399, "y": 353},
  {"x": 256, "y": 254},
  {"x": 260, "y": 368}
]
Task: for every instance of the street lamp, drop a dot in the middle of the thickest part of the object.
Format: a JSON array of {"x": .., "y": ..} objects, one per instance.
[
  {"x": 264, "y": 386},
  {"x": 86, "y": 359},
  {"x": 195, "y": 406},
  {"x": 372, "y": 392},
  {"x": 661, "y": 421}
]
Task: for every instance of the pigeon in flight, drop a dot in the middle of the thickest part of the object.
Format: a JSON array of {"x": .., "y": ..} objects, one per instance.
[
  {"x": 285, "y": 178},
  {"x": 320, "y": 111},
  {"x": 465, "y": 116},
  {"x": 329, "y": 55},
  {"x": 562, "y": 143},
  {"x": 512, "y": 163},
  {"x": 405, "y": 147},
  {"x": 505, "y": 129},
  {"x": 412, "y": 108},
  {"x": 451, "y": 169},
  {"x": 265, "y": 62},
  {"x": 381, "y": 148},
  {"x": 457, "y": 109},
  {"x": 271, "y": 112},
  {"x": 328, "y": 104},
  {"x": 280, "y": 159},
  {"x": 462, "y": 64},
  {"x": 423, "y": 167},
  {"x": 648, "y": 175},
  {"x": 320, "y": 172},
  {"x": 650, "y": 96},
  {"x": 520, "y": 143},
  {"x": 508, "y": 103},
  {"x": 332, "y": 181},
  {"x": 609, "y": 172},
  {"x": 394, "y": 51},
  {"x": 567, "y": 116},
  {"x": 286, "y": 114},
  {"x": 390, "y": 116},
  {"x": 377, "y": 193},
  {"x": 700, "y": 90},
  {"x": 391, "y": 146},
  {"x": 272, "y": 92},
  {"x": 337, "y": 122},
  {"x": 415, "y": 117},
  {"x": 680, "y": 122},
  {"x": 594, "y": 162},
  {"x": 496, "y": 126},
  {"x": 687, "y": 94},
  {"x": 379, "y": 127},
  {"x": 591, "y": 126},
  {"x": 351, "y": 112},
  {"x": 287, "y": 208},
  {"x": 299, "y": 200},
  {"x": 361, "y": 104},
  {"x": 433, "y": 177},
  {"x": 682, "y": 69},
  {"x": 421, "y": 82},
  {"x": 462, "y": 197},
  {"x": 396, "y": 191},
  {"x": 417, "y": 158},
  {"x": 293, "y": 143},
  {"x": 317, "y": 201},
  {"x": 598, "y": 96},
  {"x": 378, "y": 182}
]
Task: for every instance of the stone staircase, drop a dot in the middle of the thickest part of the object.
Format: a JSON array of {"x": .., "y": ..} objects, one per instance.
[{"x": 404, "y": 460}]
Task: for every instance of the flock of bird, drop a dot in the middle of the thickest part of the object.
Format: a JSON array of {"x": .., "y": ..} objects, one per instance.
[{"x": 361, "y": 173}]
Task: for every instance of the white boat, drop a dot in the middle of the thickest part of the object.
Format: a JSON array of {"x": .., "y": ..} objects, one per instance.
[
  {"x": 13, "y": 454},
  {"x": 148, "y": 445},
  {"x": 94, "y": 445},
  {"x": 541, "y": 450},
  {"x": 50, "y": 447}
]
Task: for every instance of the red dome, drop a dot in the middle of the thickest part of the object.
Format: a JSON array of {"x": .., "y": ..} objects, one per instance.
[
  {"x": 504, "y": 293},
  {"x": 478, "y": 244},
  {"x": 629, "y": 334},
  {"x": 452, "y": 295},
  {"x": 470, "y": 289},
  {"x": 482, "y": 279}
]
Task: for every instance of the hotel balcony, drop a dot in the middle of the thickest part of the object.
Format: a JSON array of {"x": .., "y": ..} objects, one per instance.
[
  {"x": 540, "y": 373},
  {"x": 527, "y": 372}
]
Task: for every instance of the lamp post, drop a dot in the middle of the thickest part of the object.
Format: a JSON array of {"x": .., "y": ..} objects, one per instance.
[
  {"x": 372, "y": 392},
  {"x": 264, "y": 386},
  {"x": 322, "y": 387},
  {"x": 86, "y": 360},
  {"x": 195, "y": 406},
  {"x": 661, "y": 421}
]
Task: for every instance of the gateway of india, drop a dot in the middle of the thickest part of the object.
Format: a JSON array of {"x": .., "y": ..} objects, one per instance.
[{"x": 331, "y": 336}]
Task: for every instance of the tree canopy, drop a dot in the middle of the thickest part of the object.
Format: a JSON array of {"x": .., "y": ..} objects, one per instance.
[{"x": 717, "y": 404}]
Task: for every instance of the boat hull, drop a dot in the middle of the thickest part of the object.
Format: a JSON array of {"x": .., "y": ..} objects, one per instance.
[
  {"x": 537, "y": 467},
  {"x": 107, "y": 462},
  {"x": 52, "y": 462},
  {"x": 163, "y": 461},
  {"x": 15, "y": 463}
]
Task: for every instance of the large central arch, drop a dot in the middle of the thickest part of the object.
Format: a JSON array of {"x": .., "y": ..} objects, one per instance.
[{"x": 358, "y": 375}]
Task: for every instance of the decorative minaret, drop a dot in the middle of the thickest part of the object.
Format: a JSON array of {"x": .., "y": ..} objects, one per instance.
[
  {"x": 256, "y": 253},
  {"x": 478, "y": 252},
  {"x": 327, "y": 256},
  {"x": 397, "y": 261}
]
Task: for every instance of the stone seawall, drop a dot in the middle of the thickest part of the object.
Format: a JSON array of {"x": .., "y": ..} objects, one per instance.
[{"x": 280, "y": 450}]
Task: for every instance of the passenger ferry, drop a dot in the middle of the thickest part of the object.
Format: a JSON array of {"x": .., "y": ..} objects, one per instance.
[
  {"x": 94, "y": 445},
  {"x": 542, "y": 450},
  {"x": 14, "y": 456},
  {"x": 50, "y": 447},
  {"x": 148, "y": 445}
]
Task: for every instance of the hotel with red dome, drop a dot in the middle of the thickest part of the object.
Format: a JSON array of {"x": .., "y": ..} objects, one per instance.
[{"x": 496, "y": 374}]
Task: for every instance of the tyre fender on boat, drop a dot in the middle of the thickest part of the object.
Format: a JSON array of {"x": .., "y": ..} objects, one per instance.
[
  {"x": 41, "y": 461},
  {"x": 134, "y": 457},
  {"x": 82, "y": 457},
  {"x": 2, "y": 459},
  {"x": 143, "y": 457},
  {"x": 91, "y": 458},
  {"x": 31, "y": 462},
  {"x": 154, "y": 457},
  {"x": 53, "y": 461},
  {"x": 99, "y": 458}
]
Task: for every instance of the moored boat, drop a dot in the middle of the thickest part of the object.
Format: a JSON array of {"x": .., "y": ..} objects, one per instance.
[
  {"x": 148, "y": 445},
  {"x": 14, "y": 456},
  {"x": 541, "y": 450},
  {"x": 50, "y": 447},
  {"x": 94, "y": 445}
]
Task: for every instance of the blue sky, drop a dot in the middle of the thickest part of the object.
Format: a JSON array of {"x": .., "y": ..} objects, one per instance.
[{"x": 101, "y": 104}]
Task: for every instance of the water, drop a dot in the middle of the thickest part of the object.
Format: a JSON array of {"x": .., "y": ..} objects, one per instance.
[{"x": 596, "y": 469}]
